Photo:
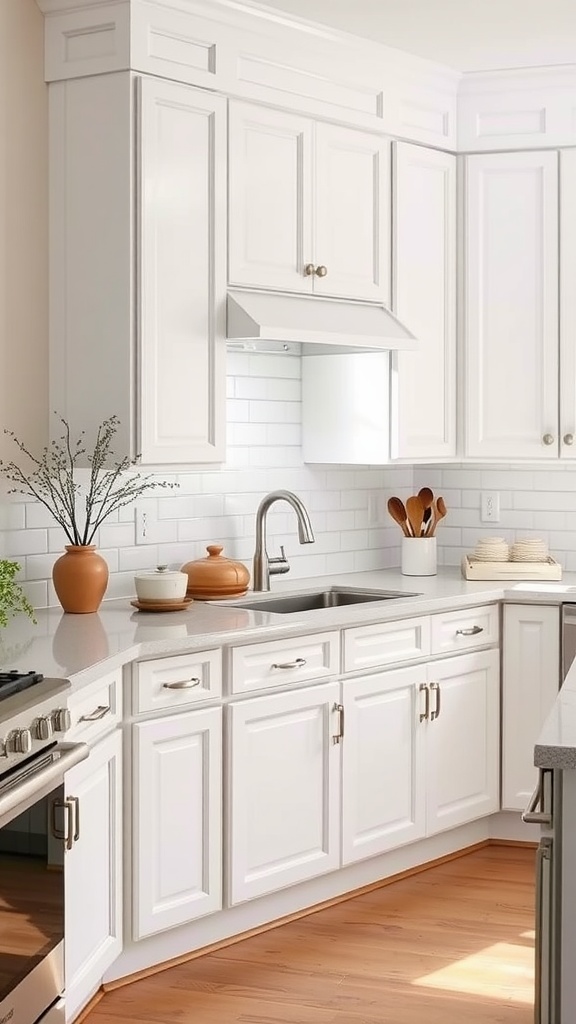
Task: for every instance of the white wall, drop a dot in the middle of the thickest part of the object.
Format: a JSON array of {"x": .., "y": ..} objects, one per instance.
[{"x": 23, "y": 223}]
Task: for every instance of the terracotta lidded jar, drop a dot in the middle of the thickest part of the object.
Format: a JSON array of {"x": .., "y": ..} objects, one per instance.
[{"x": 216, "y": 577}]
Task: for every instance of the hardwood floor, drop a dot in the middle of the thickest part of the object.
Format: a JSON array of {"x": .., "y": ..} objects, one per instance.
[{"x": 451, "y": 945}]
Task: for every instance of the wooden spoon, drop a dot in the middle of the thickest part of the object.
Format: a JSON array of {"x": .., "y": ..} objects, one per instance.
[
  {"x": 415, "y": 511},
  {"x": 398, "y": 513},
  {"x": 442, "y": 510},
  {"x": 438, "y": 511},
  {"x": 426, "y": 497}
]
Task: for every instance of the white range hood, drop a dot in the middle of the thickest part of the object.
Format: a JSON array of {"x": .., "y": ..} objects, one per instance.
[{"x": 277, "y": 321}]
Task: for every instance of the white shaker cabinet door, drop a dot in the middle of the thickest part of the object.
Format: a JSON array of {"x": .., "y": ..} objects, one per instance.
[
  {"x": 182, "y": 272},
  {"x": 511, "y": 284},
  {"x": 93, "y": 872},
  {"x": 463, "y": 740},
  {"x": 177, "y": 826},
  {"x": 270, "y": 191},
  {"x": 383, "y": 770},
  {"x": 284, "y": 790},
  {"x": 352, "y": 214},
  {"x": 567, "y": 433},
  {"x": 530, "y": 684},
  {"x": 423, "y": 419}
]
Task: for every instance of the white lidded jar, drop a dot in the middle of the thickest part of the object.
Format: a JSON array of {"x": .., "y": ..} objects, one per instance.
[{"x": 161, "y": 584}]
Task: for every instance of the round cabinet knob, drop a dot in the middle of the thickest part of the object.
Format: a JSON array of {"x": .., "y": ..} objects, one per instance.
[
  {"x": 44, "y": 728},
  {"x": 568, "y": 438},
  {"x": 548, "y": 439},
  {"x": 61, "y": 720},
  {"x": 321, "y": 271},
  {"x": 309, "y": 269}
]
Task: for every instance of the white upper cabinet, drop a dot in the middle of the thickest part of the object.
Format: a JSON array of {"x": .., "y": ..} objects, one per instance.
[
  {"x": 309, "y": 206},
  {"x": 182, "y": 232},
  {"x": 137, "y": 281},
  {"x": 567, "y": 430},
  {"x": 511, "y": 303},
  {"x": 424, "y": 298}
]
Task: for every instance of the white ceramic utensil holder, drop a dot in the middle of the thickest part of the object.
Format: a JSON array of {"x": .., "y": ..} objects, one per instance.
[{"x": 419, "y": 556}]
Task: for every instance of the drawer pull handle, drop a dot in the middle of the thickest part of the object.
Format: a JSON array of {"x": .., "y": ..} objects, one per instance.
[
  {"x": 473, "y": 631},
  {"x": 185, "y": 684},
  {"x": 424, "y": 715},
  {"x": 340, "y": 734},
  {"x": 299, "y": 663},
  {"x": 96, "y": 715}
]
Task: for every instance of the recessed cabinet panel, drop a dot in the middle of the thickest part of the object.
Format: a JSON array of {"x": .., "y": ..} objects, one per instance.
[
  {"x": 511, "y": 335},
  {"x": 270, "y": 182},
  {"x": 182, "y": 231},
  {"x": 424, "y": 296},
  {"x": 284, "y": 786},
  {"x": 383, "y": 799}
]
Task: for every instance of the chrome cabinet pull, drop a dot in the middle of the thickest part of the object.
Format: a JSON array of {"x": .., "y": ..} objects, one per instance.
[
  {"x": 299, "y": 663},
  {"x": 472, "y": 631},
  {"x": 340, "y": 734},
  {"x": 96, "y": 715},
  {"x": 425, "y": 714},
  {"x": 321, "y": 271},
  {"x": 531, "y": 816},
  {"x": 438, "y": 703},
  {"x": 568, "y": 439},
  {"x": 184, "y": 684},
  {"x": 75, "y": 801},
  {"x": 548, "y": 439},
  {"x": 309, "y": 269}
]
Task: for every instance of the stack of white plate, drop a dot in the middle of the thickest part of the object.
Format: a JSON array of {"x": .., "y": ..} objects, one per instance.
[
  {"x": 529, "y": 550},
  {"x": 492, "y": 549}
]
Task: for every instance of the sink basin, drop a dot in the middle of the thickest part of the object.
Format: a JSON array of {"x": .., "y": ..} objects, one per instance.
[{"x": 333, "y": 597}]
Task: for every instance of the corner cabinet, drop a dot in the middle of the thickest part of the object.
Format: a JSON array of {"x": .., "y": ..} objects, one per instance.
[
  {"x": 138, "y": 216},
  {"x": 309, "y": 207}
]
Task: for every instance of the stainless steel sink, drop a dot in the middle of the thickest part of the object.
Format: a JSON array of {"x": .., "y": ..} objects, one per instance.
[{"x": 333, "y": 597}]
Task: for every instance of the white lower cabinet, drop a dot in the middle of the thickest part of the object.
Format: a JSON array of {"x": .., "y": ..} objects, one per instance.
[
  {"x": 463, "y": 740},
  {"x": 420, "y": 752},
  {"x": 93, "y": 872},
  {"x": 531, "y": 679},
  {"x": 284, "y": 789},
  {"x": 176, "y": 820}
]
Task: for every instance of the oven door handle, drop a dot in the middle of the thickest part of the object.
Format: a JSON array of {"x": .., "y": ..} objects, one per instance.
[{"x": 27, "y": 786}]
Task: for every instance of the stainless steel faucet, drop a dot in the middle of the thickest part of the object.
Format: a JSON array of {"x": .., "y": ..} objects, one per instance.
[{"x": 264, "y": 567}]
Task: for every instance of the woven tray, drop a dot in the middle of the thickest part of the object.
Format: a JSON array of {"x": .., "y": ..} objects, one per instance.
[{"x": 477, "y": 569}]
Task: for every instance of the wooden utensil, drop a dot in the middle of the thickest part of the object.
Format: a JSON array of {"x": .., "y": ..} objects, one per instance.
[
  {"x": 415, "y": 511},
  {"x": 438, "y": 512},
  {"x": 426, "y": 497},
  {"x": 398, "y": 512}
]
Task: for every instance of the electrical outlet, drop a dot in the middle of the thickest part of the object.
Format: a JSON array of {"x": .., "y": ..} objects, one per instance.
[
  {"x": 490, "y": 507},
  {"x": 144, "y": 524}
]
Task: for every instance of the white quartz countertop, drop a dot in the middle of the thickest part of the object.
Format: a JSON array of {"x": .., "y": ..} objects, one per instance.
[
  {"x": 556, "y": 746},
  {"x": 83, "y": 647}
]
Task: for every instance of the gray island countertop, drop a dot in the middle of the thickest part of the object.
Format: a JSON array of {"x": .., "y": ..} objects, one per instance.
[{"x": 83, "y": 647}]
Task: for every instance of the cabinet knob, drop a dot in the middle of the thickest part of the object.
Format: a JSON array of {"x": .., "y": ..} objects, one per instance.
[
  {"x": 568, "y": 438},
  {"x": 321, "y": 271},
  {"x": 309, "y": 269},
  {"x": 548, "y": 439}
]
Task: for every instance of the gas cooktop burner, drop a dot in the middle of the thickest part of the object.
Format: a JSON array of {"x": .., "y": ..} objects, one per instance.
[{"x": 14, "y": 681}]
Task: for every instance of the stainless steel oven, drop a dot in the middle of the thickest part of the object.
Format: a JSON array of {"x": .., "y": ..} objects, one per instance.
[{"x": 36, "y": 824}]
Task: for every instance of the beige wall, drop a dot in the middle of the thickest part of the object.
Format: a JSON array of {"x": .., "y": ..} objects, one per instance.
[{"x": 23, "y": 225}]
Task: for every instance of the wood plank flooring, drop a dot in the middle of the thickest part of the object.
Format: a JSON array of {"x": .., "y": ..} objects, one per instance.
[{"x": 451, "y": 945}]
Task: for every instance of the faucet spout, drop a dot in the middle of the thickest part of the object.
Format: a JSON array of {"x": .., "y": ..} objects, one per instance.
[{"x": 263, "y": 565}]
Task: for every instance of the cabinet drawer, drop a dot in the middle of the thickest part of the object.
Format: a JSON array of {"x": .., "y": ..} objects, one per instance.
[
  {"x": 386, "y": 643},
  {"x": 96, "y": 708},
  {"x": 176, "y": 681},
  {"x": 465, "y": 630},
  {"x": 262, "y": 666}
]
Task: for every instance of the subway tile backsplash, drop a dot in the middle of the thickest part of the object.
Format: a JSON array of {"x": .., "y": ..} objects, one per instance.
[{"x": 347, "y": 505}]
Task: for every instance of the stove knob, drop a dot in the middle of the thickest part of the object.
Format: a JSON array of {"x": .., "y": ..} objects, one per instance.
[
  {"x": 24, "y": 741},
  {"x": 43, "y": 728},
  {"x": 61, "y": 720}
]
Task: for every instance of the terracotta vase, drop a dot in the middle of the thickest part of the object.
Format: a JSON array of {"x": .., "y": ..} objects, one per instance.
[{"x": 80, "y": 578}]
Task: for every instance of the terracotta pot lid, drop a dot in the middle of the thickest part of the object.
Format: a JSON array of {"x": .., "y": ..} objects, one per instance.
[{"x": 216, "y": 577}]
